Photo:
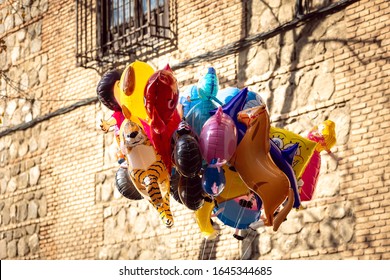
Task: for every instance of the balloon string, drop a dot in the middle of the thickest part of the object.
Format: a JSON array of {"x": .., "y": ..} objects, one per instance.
[
  {"x": 204, "y": 247},
  {"x": 254, "y": 233},
  {"x": 239, "y": 217},
  {"x": 212, "y": 248}
]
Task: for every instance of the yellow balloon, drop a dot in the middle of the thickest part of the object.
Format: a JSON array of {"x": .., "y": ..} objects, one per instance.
[
  {"x": 284, "y": 138},
  {"x": 132, "y": 85},
  {"x": 203, "y": 216},
  {"x": 234, "y": 187}
]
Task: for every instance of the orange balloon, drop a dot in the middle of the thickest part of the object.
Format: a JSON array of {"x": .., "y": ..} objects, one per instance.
[
  {"x": 256, "y": 168},
  {"x": 147, "y": 171}
]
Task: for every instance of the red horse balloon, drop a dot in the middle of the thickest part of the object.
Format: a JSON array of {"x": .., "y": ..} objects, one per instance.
[
  {"x": 218, "y": 138},
  {"x": 161, "y": 97}
]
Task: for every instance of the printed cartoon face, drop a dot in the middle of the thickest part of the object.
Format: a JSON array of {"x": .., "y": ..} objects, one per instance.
[
  {"x": 133, "y": 135},
  {"x": 285, "y": 139}
]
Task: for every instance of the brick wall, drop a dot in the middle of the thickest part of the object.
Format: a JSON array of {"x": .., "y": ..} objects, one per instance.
[{"x": 58, "y": 198}]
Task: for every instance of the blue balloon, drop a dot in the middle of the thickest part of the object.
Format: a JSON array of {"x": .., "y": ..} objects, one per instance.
[
  {"x": 240, "y": 212},
  {"x": 226, "y": 94},
  {"x": 208, "y": 85},
  {"x": 199, "y": 114},
  {"x": 283, "y": 159},
  {"x": 213, "y": 180},
  {"x": 252, "y": 100},
  {"x": 189, "y": 98}
]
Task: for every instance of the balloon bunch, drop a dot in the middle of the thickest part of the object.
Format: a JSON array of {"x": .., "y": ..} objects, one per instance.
[
  {"x": 213, "y": 150},
  {"x": 146, "y": 99}
]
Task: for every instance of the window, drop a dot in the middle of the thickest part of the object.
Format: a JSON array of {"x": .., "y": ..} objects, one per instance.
[{"x": 111, "y": 30}]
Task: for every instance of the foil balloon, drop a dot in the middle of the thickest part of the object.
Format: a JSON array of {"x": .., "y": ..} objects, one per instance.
[
  {"x": 208, "y": 86},
  {"x": 147, "y": 171},
  {"x": 325, "y": 137},
  {"x": 108, "y": 90},
  {"x": 284, "y": 139},
  {"x": 161, "y": 98},
  {"x": 239, "y": 212},
  {"x": 234, "y": 188},
  {"x": 232, "y": 108},
  {"x": 218, "y": 138},
  {"x": 283, "y": 159},
  {"x": 213, "y": 180},
  {"x": 253, "y": 100},
  {"x": 199, "y": 114},
  {"x": 190, "y": 192},
  {"x": 132, "y": 85},
  {"x": 188, "y": 99},
  {"x": 226, "y": 94},
  {"x": 188, "y": 162},
  {"x": 207, "y": 91},
  {"x": 187, "y": 156},
  {"x": 182, "y": 129},
  {"x": 203, "y": 219},
  {"x": 174, "y": 185},
  {"x": 253, "y": 162},
  {"x": 125, "y": 186},
  {"x": 108, "y": 93}
]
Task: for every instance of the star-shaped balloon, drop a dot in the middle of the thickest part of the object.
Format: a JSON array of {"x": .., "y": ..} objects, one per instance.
[{"x": 235, "y": 105}]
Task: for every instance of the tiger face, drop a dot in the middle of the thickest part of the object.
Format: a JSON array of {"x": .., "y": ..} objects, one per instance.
[{"x": 133, "y": 135}]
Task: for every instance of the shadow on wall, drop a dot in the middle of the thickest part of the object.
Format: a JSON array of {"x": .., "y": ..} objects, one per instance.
[
  {"x": 208, "y": 248},
  {"x": 291, "y": 48}
]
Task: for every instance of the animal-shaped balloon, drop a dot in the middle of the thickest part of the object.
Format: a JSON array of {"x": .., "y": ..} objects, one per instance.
[
  {"x": 108, "y": 93},
  {"x": 325, "y": 137},
  {"x": 213, "y": 180},
  {"x": 253, "y": 162},
  {"x": 207, "y": 90},
  {"x": 132, "y": 85},
  {"x": 283, "y": 159},
  {"x": 190, "y": 192},
  {"x": 208, "y": 85},
  {"x": 187, "y": 156},
  {"x": 147, "y": 169},
  {"x": 161, "y": 97},
  {"x": 232, "y": 108},
  {"x": 218, "y": 138},
  {"x": 187, "y": 159}
]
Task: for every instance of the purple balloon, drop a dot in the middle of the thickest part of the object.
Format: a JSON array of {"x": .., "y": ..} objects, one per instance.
[
  {"x": 283, "y": 159},
  {"x": 235, "y": 105},
  {"x": 218, "y": 138}
]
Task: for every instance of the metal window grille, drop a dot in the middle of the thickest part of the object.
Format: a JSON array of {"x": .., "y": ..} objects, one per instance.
[{"x": 113, "y": 31}]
